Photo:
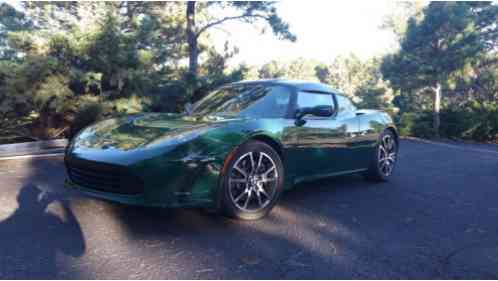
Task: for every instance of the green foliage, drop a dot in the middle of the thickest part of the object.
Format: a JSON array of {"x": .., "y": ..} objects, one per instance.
[
  {"x": 450, "y": 48},
  {"x": 67, "y": 64},
  {"x": 348, "y": 74},
  {"x": 396, "y": 21},
  {"x": 374, "y": 97},
  {"x": 422, "y": 126},
  {"x": 11, "y": 20},
  {"x": 53, "y": 94},
  {"x": 299, "y": 69},
  {"x": 244, "y": 11},
  {"x": 442, "y": 49},
  {"x": 215, "y": 72},
  {"x": 484, "y": 121},
  {"x": 406, "y": 123},
  {"x": 90, "y": 109},
  {"x": 22, "y": 85},
  {"x": 473, "y": 120},
  {"x": 302, "y": 69},
  {"x": 133, "y": 104},
  {"x": 271, "y": 70},
  {"x": 248, "y": 12},
  {"x": 70, "y": 63},
  {"x": 358, "y": 79}
]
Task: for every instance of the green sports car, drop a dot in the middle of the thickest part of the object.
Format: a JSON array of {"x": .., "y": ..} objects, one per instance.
[{"x": 236, "y": 150}]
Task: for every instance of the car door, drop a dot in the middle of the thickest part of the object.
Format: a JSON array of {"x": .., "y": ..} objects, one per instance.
[
  {"x": 323, "y": 142},
  {"x": 355, "y": 157}
]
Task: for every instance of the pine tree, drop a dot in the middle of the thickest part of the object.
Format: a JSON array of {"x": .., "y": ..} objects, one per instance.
[{"x": 449, "y": 36}]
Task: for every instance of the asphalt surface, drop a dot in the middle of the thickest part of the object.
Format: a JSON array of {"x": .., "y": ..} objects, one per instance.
[{"x": 436, "y": 218}]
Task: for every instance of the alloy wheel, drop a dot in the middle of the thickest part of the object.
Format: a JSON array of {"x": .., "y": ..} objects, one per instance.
[
  {"x": 387, "y": 155},
  {"x": 253, "y": 181}
]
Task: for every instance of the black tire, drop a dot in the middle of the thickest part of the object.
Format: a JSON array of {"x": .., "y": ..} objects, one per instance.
[
  {"x": 261, "y": 185},
  {"x": 384, "y": 159}
]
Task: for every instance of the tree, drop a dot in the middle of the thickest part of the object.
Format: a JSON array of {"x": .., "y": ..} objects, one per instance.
[
  {"x": 397, "y": 20},
  {"x": 346, "y": 73},
  {"x": 271, "y": 70},
  {"x": 359, "y": 79},
  {"x": 448, "y": 37},
  {"x": 11, "y": 20},
  {"x": 298, "y": 69},
  {"x": 244, "y": 11},
  {"x": 214, "y": 72},
  {"x": 302, "y": 69},
  {"x": 67, "y": 63},
  {"x": 70, "y": 56}
]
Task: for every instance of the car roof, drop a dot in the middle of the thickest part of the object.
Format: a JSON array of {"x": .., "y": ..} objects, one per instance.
[{"x": 299, "y": 85}]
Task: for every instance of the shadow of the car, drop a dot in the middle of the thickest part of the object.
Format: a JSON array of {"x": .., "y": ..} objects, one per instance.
[{"x": 140, "y": 218}]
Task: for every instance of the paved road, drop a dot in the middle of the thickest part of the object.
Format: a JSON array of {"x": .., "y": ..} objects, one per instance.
[{"x": 436, "y": 218}]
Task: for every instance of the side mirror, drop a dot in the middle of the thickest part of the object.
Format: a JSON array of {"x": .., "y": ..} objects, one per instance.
[
  {"x": 319, "y": 111},
  {"x": 322, "y": 111}
]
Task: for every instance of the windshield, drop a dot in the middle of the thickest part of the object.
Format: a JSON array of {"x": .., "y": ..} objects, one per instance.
[{"x": 230, "y": 100}]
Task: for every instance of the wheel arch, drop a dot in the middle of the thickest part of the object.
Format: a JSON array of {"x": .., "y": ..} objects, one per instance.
[
  {"x": 262, "y": 137},
  {"x": 276, "y": 145},
  {"x": 394, "y": 132}
]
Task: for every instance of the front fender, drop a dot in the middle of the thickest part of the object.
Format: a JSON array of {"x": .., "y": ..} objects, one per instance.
[{"x": 188, "y": 175}]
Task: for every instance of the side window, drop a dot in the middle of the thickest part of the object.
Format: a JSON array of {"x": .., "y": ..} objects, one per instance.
[
  {"x": 307, "y": 99},
  {"x": 345, "y": 105},
  {"x": 274, "y": 104}
]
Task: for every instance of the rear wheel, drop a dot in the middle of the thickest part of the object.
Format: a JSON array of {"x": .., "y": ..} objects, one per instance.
[
  {"x": 252, "y": 182},
  {"x": 384, "y": 160}
]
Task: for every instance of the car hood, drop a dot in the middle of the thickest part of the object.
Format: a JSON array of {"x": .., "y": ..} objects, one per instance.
[{"x": 141, "y": 131}]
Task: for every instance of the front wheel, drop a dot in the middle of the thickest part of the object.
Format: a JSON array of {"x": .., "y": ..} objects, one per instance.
[
  {"x": 252, "y": 181},
  {"x": 384, "y": 160}
]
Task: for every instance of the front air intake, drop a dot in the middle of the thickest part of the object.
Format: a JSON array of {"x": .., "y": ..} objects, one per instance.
[{"x": 103, "y": 177}]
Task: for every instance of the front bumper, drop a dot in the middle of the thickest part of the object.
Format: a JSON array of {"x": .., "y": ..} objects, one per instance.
[
  {"x": 135, "y": 199},
  {"x": 188, "y": 182},
  {"x": 178, "y": 201}
]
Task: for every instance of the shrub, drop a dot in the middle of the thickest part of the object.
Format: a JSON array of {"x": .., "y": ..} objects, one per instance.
[
  {"x": 53, "y": 93},
  {"x": 455, "y": 121},
  {"x": 423, "y": 126},
  {"x": 406, "y": 122},
  {"x": 473, "y": 120},
  {"x": 416, "y": 124},
  {"x": 131, "y": 105},
  {"x": 90, "y": 111},
  {"x": 484, "y": 125}
]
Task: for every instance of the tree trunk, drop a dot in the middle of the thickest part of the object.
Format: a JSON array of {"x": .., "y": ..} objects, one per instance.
[
  {"x": 437, "y": 109},
  {"x": 192, "y": 40}
]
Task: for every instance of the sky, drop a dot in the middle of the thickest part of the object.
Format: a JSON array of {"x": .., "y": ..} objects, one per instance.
[{"x": 324, "y": 30}]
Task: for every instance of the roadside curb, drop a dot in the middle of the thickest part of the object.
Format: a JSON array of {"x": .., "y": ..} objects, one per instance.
[
  {"x": 28, "y": 156},
  {"x": 33, "y": 149},
  {"x": 419, "y": 139},
  {"x": 449, "y": 141},
  {"x": 461, "y": 146}
]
